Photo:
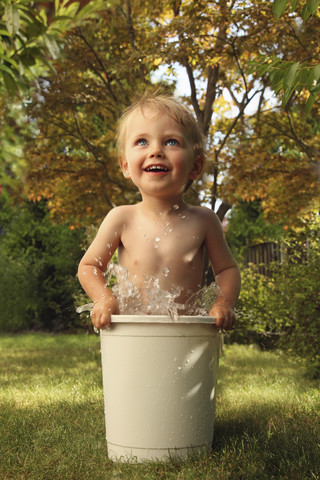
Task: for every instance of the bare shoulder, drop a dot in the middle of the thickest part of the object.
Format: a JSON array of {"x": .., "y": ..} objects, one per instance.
[
  {"x": 207, "y": 215},
  {"x": 119, "y": 215}
]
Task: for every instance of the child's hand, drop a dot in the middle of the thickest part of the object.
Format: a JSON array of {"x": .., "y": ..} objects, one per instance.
[
  {"x": 102, "y": 311},
  {"x": 224, "y": 314}
]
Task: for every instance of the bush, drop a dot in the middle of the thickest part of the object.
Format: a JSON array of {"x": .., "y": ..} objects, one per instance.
[
  {"x": 38, "y": 269},
  {"x": 286, "y": 304}
]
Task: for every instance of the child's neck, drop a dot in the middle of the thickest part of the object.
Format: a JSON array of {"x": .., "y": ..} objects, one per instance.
[{"x": 162, "y": 206}]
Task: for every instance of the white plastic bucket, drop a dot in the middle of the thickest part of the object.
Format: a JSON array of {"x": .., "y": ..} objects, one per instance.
[{"x": 159, "y": 381}]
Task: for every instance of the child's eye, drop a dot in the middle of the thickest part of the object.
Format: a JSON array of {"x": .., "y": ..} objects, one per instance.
[
  {"x": 142, "y": 142},
  {"x": 172, "y": 142}
]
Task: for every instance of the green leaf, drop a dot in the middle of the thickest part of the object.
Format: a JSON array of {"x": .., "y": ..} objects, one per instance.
[
  {"x": 287, "y": 95},
  {"x": 7, "y": 70},
  {"x": 316, "y": 72},
  {"x": 60, "y": 18},
  {"x": 27, "y": 59},
  {"x": 51, "y": 45},
  {"x": 313, "y": 6},
  {"x": 294, "y": 5},
  {"x": 279, "y": 7},
  {"x": 277, "y": 78},
  {"x": 71, "y": 10},
  {"x": 9, "y": 60},
  {"x": 310, "y": 8},
  {"x": 90, "y": 9},
  {"x": 9, "y": 82},
  {"x": 291, "y": 76},
  {"x": 310, "y": 102},
  {"x": 4, "y": 33},
  {"x": 12, "y": 19},
  {"x": 313, "y": 75}
]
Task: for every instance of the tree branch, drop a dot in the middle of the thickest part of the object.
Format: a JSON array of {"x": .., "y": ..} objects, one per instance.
[
  {"x": 192, "y": 83},
  {"x": 213, "y": 75},
  {"x": 105, "y": 81}
]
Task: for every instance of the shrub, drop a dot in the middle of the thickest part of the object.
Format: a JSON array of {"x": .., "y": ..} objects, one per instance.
[
  {"x": 38, "y": 267},
  {"x": 287, "y": 302}
]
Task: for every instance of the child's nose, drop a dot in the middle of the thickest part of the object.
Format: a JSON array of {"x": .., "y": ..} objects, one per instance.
[{"x": 155, "y": 151}]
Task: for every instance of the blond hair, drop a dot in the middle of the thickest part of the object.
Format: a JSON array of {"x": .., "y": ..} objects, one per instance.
[{"x": 170, "y": 106}]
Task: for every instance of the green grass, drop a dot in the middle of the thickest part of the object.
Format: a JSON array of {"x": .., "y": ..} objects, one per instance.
[{"x": 52, "y": 419}]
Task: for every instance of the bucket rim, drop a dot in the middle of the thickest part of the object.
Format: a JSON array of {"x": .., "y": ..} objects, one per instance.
[{"x": 163, "y": 319}]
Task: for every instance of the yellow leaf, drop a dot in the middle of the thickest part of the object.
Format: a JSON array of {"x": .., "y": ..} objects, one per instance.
[{"x": 157, "y": 61}]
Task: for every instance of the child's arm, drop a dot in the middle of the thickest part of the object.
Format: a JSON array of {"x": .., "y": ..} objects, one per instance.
[
  {"x": 226, "y": 273},
  {"x": 93, "y": 265}
]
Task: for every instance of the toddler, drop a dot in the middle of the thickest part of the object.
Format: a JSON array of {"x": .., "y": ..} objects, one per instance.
[{"x": 161, "y": 150}]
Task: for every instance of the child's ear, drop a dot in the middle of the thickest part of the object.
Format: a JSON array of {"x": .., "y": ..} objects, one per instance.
[
  {"x": 197, "y": 167},
  {"x": 124, "y": 167}
]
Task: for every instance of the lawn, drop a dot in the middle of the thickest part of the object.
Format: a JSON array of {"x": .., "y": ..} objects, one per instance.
[{"x": 52, "y": 419}]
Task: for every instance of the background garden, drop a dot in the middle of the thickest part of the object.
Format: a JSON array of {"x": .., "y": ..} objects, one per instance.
[{"x": 250, "y": 71}]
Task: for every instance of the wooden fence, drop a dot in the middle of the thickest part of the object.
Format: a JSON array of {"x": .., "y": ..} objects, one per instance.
[{"x": 263, "y": 254}]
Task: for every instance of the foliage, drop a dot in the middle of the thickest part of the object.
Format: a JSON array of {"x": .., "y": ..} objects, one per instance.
[
  {"x": 38, "y": 268},
  {"x": 309, "y": 8},
  {"x": 246, "y": 226},
  {"x": 292, "y": 76},
  {"x": 15, "y": 130},
  {"x": 287, "y": 302},
  {"x": 274, "y": 157},
  {"x": 73, "y": 160},
  {"x": 32, "y": 35}
]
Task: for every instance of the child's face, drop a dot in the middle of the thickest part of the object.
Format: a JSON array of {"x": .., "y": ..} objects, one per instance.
[{"x": 158, "y": 157}]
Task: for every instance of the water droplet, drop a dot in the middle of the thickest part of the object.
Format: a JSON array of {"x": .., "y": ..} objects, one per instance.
[
  {"x": 175, "y": 207},
  {"x": 165, "y": 271},
  {"x": 179, "y": 368},
  {"x": 157, "y": 239}
]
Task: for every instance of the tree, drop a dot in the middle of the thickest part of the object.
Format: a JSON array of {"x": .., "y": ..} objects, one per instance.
[
  {"x": 292, "y": 77},
  {"x": 213, "y": 42},
  {"x": 246, "y": 226},
  {"x": 32, "y": 35},
  {"x": 281, "y": 170},
  {"x": 73, "y": 159},
  {"x": 38, "y": 268}
]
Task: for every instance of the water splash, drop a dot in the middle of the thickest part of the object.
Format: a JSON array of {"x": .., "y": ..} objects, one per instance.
[{"x": 155, "y": 301}]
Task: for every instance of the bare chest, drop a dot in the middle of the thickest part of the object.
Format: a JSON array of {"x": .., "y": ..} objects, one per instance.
[{"x": 150, "y": 249}]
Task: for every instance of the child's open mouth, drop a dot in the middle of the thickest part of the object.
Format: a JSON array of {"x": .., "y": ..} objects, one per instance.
[{"x": 156, "y": 169}]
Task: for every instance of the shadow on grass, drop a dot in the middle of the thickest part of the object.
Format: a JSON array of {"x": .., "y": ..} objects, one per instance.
[
  {"x": 63, "y": 440},
  {"x": 270, "y": 420},
  {"x": 52, "y": 419}
]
